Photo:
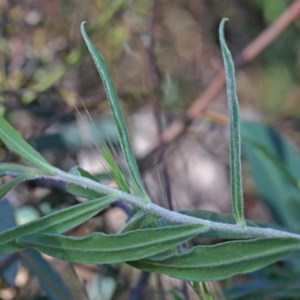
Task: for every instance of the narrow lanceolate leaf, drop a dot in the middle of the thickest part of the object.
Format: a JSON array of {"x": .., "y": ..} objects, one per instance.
[
  {"x": 116, "y": 109},
  {"x": 275, "y": 166},
  {"x": 7, "y": 218},
  {"x": 15, "y": 142},
  {"x": 205, "y": 263},
  {"x": 6, "y": 187},
  {"x": 100, "y": 248},
  {"x": 235, "y": 138},
  {"x": 117, "y": 173},
  {"x": 16, "y": 170},
  {"x": 57, "y": 222},
  {"x": 49, "y": 279}
]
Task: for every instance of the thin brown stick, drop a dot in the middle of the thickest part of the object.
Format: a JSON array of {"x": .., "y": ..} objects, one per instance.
[
  {"x": 271, "y": 33},
  {"x": 248, "y": 54}
]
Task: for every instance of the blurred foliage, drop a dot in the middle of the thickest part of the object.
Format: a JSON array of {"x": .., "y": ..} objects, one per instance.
[{"x": 45, "y": 71}]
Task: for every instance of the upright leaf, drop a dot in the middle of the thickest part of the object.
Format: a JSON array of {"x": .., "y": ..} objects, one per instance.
[
  {"x": 15, "y": 142},
  {"x": 114, "y": 103},
  {"x": 235, "y": 139},
  {"x": 117, "y": 173},
  {"x": 57, "y": 222},
  {"x": 100, "y": 248},
  {"x": 206, "y": 263}
]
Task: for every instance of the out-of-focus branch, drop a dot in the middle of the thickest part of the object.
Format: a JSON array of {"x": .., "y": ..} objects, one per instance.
[
  {"x": 271, "y": 33},
  {"x": 154, "y": 84},
  {"x": 248, "y": 54}
]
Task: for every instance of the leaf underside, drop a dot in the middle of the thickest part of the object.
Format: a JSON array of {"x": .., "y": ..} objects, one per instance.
[
  {"x": 57, "y": 222},
  {"x": 205, "y": 263},
  {"x": 100, "y": 248}
]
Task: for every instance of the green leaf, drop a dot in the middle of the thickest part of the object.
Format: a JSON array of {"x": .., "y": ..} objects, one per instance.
[
  {"x": 140, "y": 219},
  {"x": 16, "y": 170},
  {"x": 57, "y": 222},
  {"x": 206, "y": 263},
  {"x": 6, "y": 187},
  {"x": 100, "y": 248},
  {"x": 176, "y": 295},
  {"x": 117, "y": 173},
  {"x": 114, "y": 103},
  {"x": 7, "y": 218},
  {"x": 80, "y": 191},
  {"x": 275, "y": 165},
  {"x": 235, "y": 138},
  {"x": 49, "y": 279},
  {"x": 23, "y": 173},
  {"x": 15, "y": 142},
  {"x": 215, "y": 217}
]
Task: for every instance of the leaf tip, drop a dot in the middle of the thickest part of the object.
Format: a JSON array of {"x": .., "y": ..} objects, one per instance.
[
  {"x": 82, "y": 27},
  {"x": 221, "y": 27}
]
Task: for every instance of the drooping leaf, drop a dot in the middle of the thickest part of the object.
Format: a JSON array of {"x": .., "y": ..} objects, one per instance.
[
  {"x": 266, "y": 287},
  {"x": 15, "y": 142},
  {"x": 99, "y": 248},
  {"x": 176, "y": 295},
  {"x": 235, "y": 138},
  {"x": 49, "y": 279},
  {"x": 205, "y": 263},
  {"x": 9, "y": 272},
  {"x": 114, "y": 103},
  {"x": 57, "y": 222}
]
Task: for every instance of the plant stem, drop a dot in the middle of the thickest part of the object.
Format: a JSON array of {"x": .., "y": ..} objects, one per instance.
[{"x": 171, "y": 216}]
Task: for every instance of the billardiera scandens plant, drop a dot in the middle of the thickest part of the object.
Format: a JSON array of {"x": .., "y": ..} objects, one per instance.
[{"x": 151, "y": 237}]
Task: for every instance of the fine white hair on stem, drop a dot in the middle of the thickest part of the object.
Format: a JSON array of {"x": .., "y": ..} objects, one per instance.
[{"x": 171, "y": 216}]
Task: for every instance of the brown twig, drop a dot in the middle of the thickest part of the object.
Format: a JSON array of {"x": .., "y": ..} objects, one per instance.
[{"x": 248, "y": 54}]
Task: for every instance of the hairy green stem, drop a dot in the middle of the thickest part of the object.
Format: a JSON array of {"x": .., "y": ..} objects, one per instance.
[{"x": 168, "y": 215}]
